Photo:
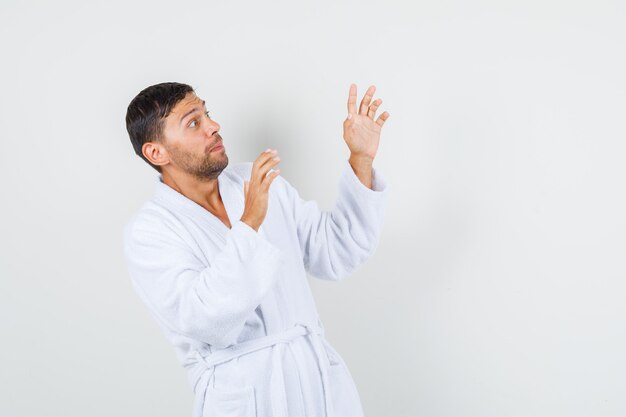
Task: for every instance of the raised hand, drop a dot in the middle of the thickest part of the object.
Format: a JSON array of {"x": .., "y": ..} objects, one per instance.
[
  {"x": 360, "y": 131},
  {"x": 256, "y": 190}
]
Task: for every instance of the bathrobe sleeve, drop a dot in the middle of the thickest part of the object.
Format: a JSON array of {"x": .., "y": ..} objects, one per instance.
[
  {"x": 209, "y": 304},
  {"x": 334, "y": 243}
]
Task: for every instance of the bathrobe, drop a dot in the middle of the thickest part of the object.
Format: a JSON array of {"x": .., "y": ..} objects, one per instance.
[{"x": 236, "y": 304}]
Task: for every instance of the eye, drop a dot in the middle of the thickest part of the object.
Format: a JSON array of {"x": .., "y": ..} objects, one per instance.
[{"x": 196, "y": 120}]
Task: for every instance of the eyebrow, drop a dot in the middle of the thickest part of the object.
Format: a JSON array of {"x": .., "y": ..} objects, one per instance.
[{"x": 191, "y": 111}]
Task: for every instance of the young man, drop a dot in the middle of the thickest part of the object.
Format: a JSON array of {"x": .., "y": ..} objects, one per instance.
[{"x": 220, "y": 254}]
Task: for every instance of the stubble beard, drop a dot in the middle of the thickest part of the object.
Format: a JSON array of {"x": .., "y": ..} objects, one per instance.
[{"x": 203, "y": 167}]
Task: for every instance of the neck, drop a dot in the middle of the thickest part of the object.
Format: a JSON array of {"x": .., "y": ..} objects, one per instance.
[{"x": 204, "y": 192}]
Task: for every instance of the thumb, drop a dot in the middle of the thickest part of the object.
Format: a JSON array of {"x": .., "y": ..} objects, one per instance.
[{"x": 245, "y": 187}]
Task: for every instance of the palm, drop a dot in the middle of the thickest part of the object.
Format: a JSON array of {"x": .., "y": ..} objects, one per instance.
[{"x": 360, "y": 131}]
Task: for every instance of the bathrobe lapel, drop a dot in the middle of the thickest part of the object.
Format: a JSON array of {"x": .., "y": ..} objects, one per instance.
[{"x": 232, "y": 198}]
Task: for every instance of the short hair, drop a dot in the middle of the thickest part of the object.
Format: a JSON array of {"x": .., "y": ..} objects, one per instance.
[{"x": 146, "y": 113}]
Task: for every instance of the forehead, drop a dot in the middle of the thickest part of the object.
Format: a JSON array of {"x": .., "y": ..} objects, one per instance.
[{"x": 190, "y": 101}]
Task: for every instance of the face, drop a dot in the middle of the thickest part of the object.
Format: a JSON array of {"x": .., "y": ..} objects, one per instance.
[{"x": 192, "y": 141}]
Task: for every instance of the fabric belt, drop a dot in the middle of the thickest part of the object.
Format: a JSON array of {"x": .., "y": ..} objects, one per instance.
[{"x": 277, "y": 382}]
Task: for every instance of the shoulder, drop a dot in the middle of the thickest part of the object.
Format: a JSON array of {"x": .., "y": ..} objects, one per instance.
[{"x": 150, "y": 221}]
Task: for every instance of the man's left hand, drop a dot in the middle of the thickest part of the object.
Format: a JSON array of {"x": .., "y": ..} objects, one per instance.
[{"x": 360, "y": 131}]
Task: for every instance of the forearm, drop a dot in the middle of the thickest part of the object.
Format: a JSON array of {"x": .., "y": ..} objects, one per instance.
[
  {"x": 334, "y": 243},
  {"x": 362, "y": 167}
]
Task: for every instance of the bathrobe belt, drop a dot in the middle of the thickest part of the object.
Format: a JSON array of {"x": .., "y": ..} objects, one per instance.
[{"x": 277, "y": 382}]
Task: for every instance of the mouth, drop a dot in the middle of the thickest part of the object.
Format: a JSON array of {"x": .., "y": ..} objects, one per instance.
[{"x": 218, "y": 146}]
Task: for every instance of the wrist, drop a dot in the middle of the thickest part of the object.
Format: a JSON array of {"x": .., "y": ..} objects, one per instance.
[
  {"x": 362, "y": 167},
  {"x": 361, "y": 159},
  {"x": 361, "y": 162},
  {"x": 252, "y": 224}
]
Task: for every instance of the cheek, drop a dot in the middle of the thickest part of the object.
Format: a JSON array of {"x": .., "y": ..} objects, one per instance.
[{"x": 194, "y": 142}]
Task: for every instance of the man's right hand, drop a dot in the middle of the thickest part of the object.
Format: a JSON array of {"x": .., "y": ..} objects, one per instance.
[{"x": 256, "y": 190}]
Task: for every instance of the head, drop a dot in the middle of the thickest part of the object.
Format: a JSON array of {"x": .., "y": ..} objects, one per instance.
[{"x": 170, "y": 129}]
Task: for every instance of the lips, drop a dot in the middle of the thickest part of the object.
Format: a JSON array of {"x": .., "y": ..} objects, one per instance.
[{"x": 218, "y": 145}]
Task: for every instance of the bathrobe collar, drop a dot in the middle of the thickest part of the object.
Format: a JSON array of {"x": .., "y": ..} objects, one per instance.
[{"x": 232, "y": 198}]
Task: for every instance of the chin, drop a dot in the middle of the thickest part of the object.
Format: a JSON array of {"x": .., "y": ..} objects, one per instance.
[{"x": 226, "y": 158}]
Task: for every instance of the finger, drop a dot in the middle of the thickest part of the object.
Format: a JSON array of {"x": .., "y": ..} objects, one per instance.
[
  {"x": 366, "y": 99},
  {"x": 269, "y": 164},
  {"x": 270, "y": 177},
  {"x": 264, "y": 155},
  {"x": 352, "y": 99},
  {"x": 382, "y": 118},
  {"x": 371, "y": 112},
  {"x": 261, "y": 161}
]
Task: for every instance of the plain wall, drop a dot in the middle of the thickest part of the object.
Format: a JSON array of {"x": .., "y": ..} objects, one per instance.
[{"x": 498, "y": 286}]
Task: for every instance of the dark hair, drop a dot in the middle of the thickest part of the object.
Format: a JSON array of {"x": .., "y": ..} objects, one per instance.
[{"x": 146, "y": 113}]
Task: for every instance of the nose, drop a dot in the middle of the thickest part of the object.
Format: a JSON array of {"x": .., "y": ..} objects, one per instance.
[{"x": 211, "y": 127}]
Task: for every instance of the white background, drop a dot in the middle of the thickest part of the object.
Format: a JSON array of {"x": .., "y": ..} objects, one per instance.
[{"x": 498, "y": 286}]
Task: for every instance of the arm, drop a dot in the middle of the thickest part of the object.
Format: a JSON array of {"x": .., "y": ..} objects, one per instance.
[
  {"x": 211, "y": 303},
  {"x": 335, "y": 243},
  {"x": 362, "y": 167}
]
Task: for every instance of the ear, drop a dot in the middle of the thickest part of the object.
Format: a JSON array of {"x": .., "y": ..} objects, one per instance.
[{"x": 155, "y": 153}]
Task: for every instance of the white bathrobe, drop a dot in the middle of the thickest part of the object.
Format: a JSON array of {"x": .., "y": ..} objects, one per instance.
[{"x": 236, "y": 304}]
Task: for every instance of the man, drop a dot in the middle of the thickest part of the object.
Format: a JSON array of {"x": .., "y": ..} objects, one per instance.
[{"x": 220, "y": 254}]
